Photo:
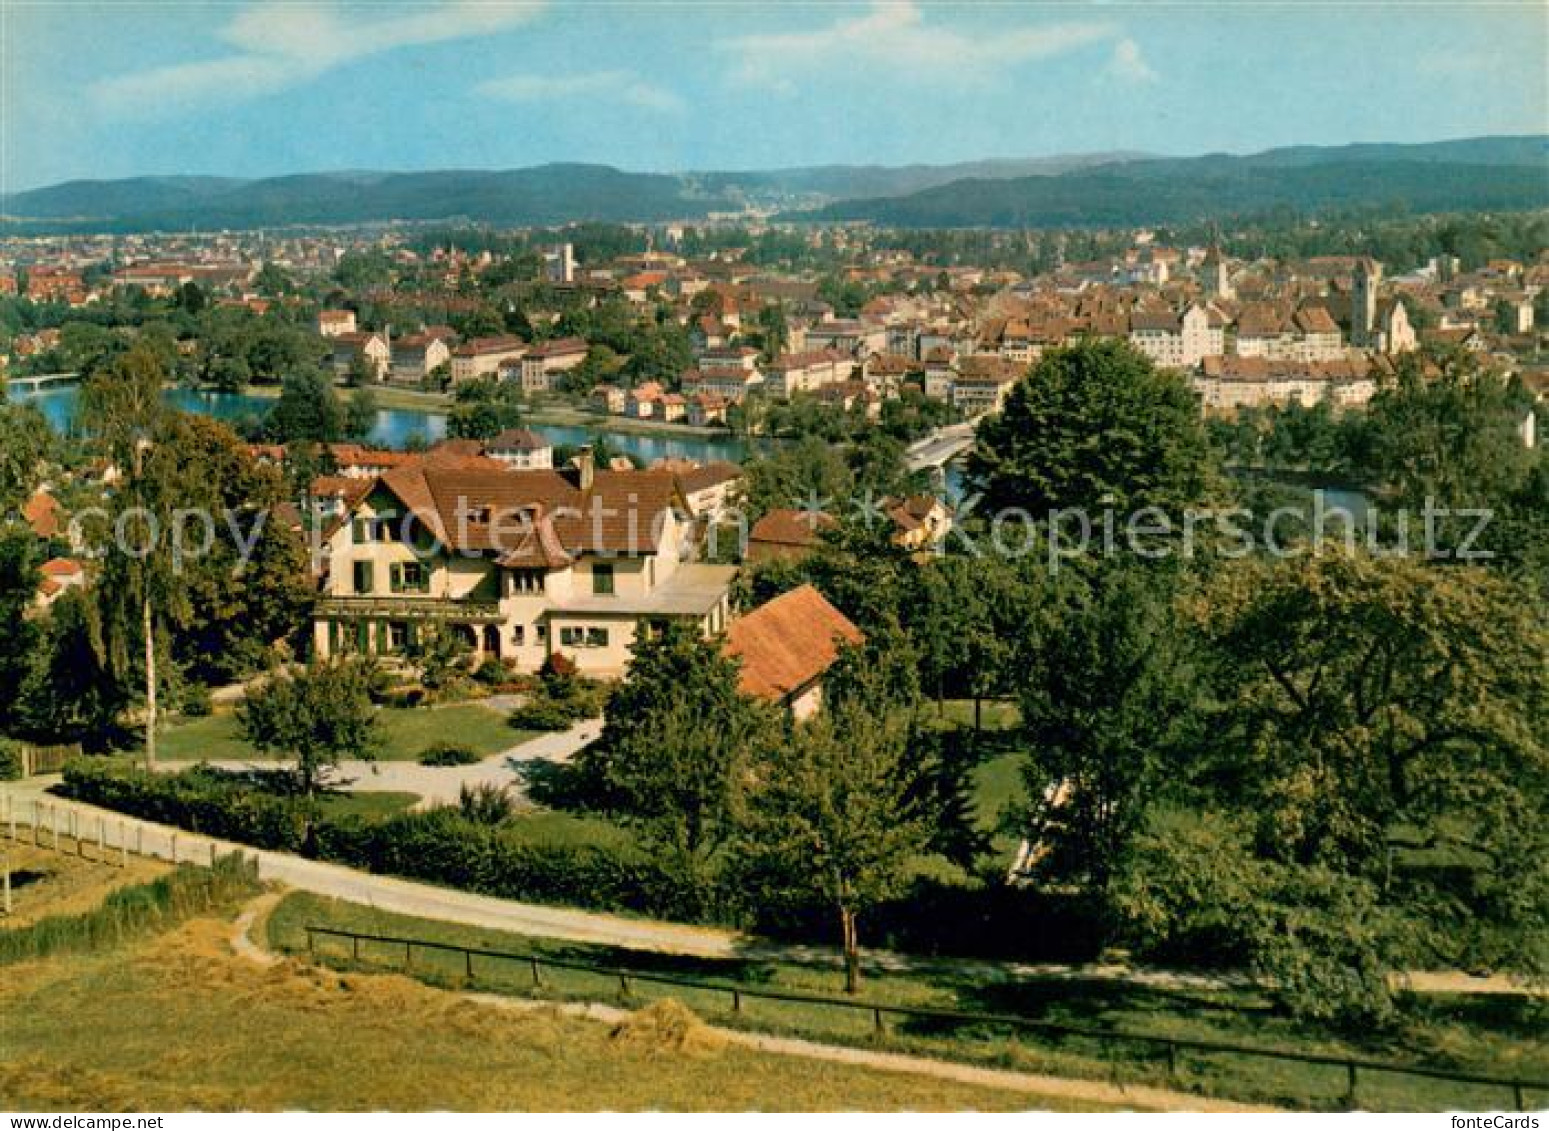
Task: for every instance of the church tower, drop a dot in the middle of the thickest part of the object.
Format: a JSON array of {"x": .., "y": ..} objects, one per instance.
[
  {"x": 1363, "y": 302},
  {"x": 1215, "y": 281}
]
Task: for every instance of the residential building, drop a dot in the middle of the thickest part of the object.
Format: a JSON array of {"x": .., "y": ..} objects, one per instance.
[
  {"x": 371, "y": 347},
  {"x": 786, "y": 533},
  {"x": 332, "y": 323},
  {"x": 544, "y": 361},
  {"x": 521, "y": 449},
  {"x": 414, "y": 357},
  {"x": 919, "y": 521},
  {"x": 482, "y": 357},
  {"x": 807, "y": 372},
  {"x": 57, "y": 575},
  {"x": 1176, "y": 341},
  {"x": 787, "y": 645},
  {"x": 520, "y": 564}
]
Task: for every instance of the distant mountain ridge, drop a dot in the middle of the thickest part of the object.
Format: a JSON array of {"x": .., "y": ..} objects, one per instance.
[
  {"x": 1507, "y": 173},
  {"x": 1068, "y": 190}
]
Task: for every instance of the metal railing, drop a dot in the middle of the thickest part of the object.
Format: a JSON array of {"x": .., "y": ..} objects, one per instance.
[
  {"x": 879, "y": 1011},
  {"x": 407, "y": 606}
]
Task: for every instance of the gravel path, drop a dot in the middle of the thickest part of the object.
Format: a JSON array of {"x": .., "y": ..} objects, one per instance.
[{"x": 440, "y": 785}]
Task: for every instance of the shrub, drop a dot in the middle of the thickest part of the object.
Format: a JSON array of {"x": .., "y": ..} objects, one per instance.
[
  {"x": 197, "y": 702},
  {"x": 449, "y": 754},
  {"x": 493, "y": 671},
  {"x": 10, "y": 759},
  {"x": 485, "y": 804},
  {"x": 544, "y": 714}
]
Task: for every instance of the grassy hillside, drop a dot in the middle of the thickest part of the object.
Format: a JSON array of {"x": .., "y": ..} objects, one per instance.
[{"x": 194, "y": 1027}]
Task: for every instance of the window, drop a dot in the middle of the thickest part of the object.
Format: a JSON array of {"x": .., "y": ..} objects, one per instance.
[
  {"x": 574, "y": 636},
  {"x": 602, "y": 580},
  {"x": 365, "y": 577},
  {"x": 409, "y": 577},
  {"x": 526, "y": 581},
  {"x": 519, "y": 635},
  {"x": 360, "y": 531},
  {"x": 397, "y": 636}
]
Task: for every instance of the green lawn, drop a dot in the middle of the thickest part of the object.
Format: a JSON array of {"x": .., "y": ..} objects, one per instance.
[
  {"x": 997, "y": 787},
  {"x": 373, "y": 805},
  {"x": 1494, "y": 1036},
  {"x": 406, "y": 731},
  {"x": 995, "y": 714}
]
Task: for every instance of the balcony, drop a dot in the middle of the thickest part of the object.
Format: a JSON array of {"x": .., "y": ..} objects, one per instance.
[{"x": 405, "y": 606}]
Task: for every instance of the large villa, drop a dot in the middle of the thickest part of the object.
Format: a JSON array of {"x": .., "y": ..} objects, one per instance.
[{"x": 521, "y": 564}]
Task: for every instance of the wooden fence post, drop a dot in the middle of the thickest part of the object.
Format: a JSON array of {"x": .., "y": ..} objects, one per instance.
[
  {"x": 174, "y": 848},
  {"x": 55, "y": 814},
  {"x": 37, "y": 823},
  {"x": 102, "y": 844},
  {"x": 468, "y": 964},
  {"x": 536, "y": 980},
  {"x": 123, "y": 845}
]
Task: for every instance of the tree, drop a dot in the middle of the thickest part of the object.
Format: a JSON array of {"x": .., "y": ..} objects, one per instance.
[
  {"x": 18, "y": 588},
  {"x": 307, "y": 409},
  {"x": 121, "y": 404},
  {"x": 361, "y": 372},
  {"x": 1371, "y": 696},
  {"x": 441, "y": 655},
  {"x": 795, "y": 475},
  {"x": 484, "y": 409},
  {"x": 360, "y": 413},
  {"x": 68, "y": 693},
  {"x": 26, "y": 441},
  {"x": 1107, "y": 708},
  {"x": 677, "y": 746},
  {"x": 251, "y": 587},
  {"x": 840, "y": 813},
  {"x": 1093, "y": 426},
  {"x": 317, "y": 717},
  {"x": 1388, "y": 721}
]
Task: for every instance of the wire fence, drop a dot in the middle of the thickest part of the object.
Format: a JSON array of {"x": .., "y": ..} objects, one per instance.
[{"x": 737, "y": 995}]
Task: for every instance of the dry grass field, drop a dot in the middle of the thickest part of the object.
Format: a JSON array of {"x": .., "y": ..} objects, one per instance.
[
  {"x": 45, "y": 882},
  {"x": 180, "y": 1022}
]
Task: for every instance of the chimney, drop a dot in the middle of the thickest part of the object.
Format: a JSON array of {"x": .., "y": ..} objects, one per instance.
[{"x": 586, "y": 466}]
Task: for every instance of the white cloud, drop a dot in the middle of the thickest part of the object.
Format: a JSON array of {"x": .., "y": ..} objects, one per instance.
[
  {"x": 1129, "y": 64},
  {"x": 895, "y": 35},
  {"x": 281, "y": 45},
  {"x": 622, "y": 86}
]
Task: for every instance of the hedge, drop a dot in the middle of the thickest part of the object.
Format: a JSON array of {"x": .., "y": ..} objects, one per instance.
[{"x": 439, "y": 846}]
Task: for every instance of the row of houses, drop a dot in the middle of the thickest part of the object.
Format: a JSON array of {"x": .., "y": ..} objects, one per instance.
[{"x": 413, "y": 358}]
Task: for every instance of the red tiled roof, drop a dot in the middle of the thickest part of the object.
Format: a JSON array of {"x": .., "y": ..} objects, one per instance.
[
  {"x": 788, "y": 527},
  {"x": 42, "y": 514},
  {"x": 787, "y": 643}
]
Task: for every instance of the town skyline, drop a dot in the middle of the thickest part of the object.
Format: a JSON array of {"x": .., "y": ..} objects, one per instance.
[{"x": 140, "y": 90}]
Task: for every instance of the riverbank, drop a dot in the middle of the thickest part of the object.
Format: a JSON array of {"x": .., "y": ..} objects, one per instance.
[{"x": 397, "y": 397}]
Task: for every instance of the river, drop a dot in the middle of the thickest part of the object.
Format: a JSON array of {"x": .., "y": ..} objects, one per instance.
[{"x": 396, "y": 427}]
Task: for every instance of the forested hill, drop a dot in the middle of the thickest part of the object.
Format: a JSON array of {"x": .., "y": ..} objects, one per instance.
[
  {"x": 1479, "y": 174},
  {"x": 1093, "y": 190}
]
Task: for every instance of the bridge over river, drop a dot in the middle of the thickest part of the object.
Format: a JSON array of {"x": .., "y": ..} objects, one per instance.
[{"x": 941, "y": 447}]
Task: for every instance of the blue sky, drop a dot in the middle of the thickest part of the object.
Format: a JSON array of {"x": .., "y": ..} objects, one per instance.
[{"x": 249, "y": 89}]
